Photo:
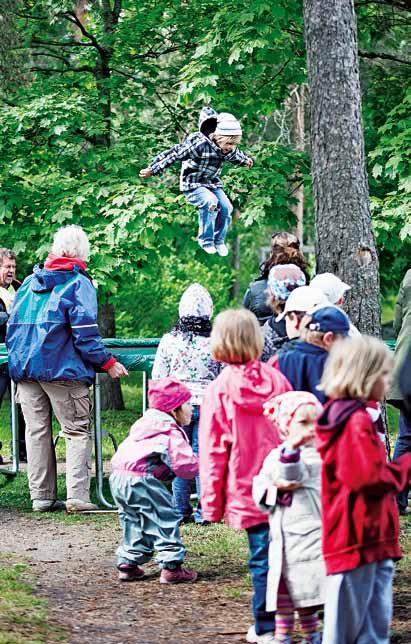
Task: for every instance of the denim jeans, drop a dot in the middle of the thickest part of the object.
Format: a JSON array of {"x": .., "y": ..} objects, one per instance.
[
  {"x": 358, "y": 605},
  {"x": 5, "y": 384},
  {"x": 402, "y": 446},
  {"x": 258, "y": 540},
  {"x": 214, "y": 214},
  {"x": 182, "y": 487}
]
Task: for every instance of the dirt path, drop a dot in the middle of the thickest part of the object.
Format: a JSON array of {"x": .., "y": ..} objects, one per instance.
[{"x": 74, "y": 566}]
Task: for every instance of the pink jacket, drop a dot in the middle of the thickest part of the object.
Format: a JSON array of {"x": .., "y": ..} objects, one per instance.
[
  {"x": 156, "y": 445},
  {"x": 235, "y": 438}
]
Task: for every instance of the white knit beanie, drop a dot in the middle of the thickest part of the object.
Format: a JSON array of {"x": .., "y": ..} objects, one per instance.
[{"x": 227, "y": 125}]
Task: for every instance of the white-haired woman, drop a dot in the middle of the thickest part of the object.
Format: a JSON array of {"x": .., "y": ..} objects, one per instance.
[{"x": 55, "y": 348}]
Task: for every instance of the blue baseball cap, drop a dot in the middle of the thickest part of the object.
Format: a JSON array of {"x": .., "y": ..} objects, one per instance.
[{"x": 329, "y": 318}]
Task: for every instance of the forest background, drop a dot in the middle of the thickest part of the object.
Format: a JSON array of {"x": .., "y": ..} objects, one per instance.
[{"x": 91, "y": 91}]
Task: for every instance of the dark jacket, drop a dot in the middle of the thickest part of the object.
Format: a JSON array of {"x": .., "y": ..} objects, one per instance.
[
  {"x": 52, "y": 333},
  {"x": 402, "y": 328},
  {"x": 303, "y": 366},
  {"x": 4, "y": 316},
  {"x": 275, "y": 336},
  {"x": 255, "y": 300},
  {"x": 359, "y": 509}
]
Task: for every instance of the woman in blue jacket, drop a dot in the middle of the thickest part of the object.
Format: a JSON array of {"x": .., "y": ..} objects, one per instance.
[{"x": 55, "y": 348}]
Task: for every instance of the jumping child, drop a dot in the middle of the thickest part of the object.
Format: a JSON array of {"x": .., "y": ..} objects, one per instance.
[
  {"x": 203, "y": 154},
  {"x": 289, "y": 487},
  {"x": 360, "y": 515},
  {"x": 235, "y": 438},
  {"x": 156, "y": 449}
]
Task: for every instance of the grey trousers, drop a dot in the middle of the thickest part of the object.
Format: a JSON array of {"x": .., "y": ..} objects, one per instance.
[
  {"x": 71, "y": 404},
  {"x": 358, "y": 605},
  {"x": 149, "y": 521}
]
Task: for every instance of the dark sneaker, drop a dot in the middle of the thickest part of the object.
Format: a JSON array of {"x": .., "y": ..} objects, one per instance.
[
  {"x": 177, "y": 576},
  {"x": 128, "y": 572}
]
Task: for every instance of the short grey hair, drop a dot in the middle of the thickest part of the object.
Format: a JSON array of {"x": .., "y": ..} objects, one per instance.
[
  {"x": 71, "y": 241},
  {"x": 6, "y": 252}
]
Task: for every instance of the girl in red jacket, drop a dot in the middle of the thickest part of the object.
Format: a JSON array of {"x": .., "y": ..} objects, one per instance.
[
  {"x": 235, "y": 437},
  {"x": 359, "y": 511}
]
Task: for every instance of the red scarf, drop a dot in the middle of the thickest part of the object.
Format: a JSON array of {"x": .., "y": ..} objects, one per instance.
[{"x": 57, "y": 263}]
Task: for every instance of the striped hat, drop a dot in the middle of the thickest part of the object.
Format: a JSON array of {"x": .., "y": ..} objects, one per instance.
[{"x": 227, "y": 125}]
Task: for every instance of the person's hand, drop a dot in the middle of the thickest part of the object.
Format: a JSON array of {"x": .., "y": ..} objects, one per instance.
[
  {"x": 117, "y": 370},
  {"x": 286, "y": 486},
  {"x": 249, "y": 162},
  {"x": 145, "y": 173},
  {"x": 300, "y": 438}
]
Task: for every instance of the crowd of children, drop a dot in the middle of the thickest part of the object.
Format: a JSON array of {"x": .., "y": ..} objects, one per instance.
[{"x": 310, "y": 485}]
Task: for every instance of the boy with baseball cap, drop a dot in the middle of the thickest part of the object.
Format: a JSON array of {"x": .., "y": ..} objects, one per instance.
[{"x": 303, "y": 364}]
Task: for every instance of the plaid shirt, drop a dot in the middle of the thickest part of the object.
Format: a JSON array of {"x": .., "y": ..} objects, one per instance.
[{"x": 202, "y": 161}]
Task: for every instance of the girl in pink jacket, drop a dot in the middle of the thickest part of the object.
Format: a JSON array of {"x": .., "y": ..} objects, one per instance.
[
  {"x": 235, "y": 438},
  {"x": 156, "y": 449}
]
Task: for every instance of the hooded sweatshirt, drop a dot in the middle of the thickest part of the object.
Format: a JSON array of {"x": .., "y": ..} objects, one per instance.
[
  {"x": 52, "y": 333},
  {"x": 235, "y": 437},
  {"x": 359, "y": 510},
  {"x": 187, "y": 357}
]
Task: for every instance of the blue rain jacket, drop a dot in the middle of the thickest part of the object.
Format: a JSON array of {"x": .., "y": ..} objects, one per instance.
[{"x": 52, "y": 332}]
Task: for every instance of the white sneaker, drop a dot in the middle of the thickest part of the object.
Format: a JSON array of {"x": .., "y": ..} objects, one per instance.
[
  {"x": 253, "y": 638},
  {"x": 48, "y": 505},
  {"x": 77, "y": 505},
  {"x": 222, "y": 250},
  {"x": 211, "y": 250}
]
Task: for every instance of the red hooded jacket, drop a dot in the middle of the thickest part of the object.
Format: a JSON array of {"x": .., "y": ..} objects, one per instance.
[{"x": 360, "y": 515}]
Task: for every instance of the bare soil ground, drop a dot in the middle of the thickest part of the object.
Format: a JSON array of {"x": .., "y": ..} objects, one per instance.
[{"x": 74, "y": 565}]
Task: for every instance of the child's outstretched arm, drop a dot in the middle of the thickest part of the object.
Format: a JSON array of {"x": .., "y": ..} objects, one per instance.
[
  {"x": 236, "y": 157},
  {"x": 179, "y": 152}
]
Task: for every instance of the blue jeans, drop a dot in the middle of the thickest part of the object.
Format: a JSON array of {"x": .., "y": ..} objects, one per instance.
[
  {"x": 5, "y": 384},
  {"x": 258, "y": 540},
  {"x": 182, "y": 487},
  {"x": 214, "y": 214},
  {"x": 358, "y": 605},
  {"x": 402, "y": 446}
]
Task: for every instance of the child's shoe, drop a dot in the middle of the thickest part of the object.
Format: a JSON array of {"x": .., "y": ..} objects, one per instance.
[
  {"x": 315, "y": 638},
  {"x": 177, "y": 576},
  {"x": 222, "y": 250},
  {"x": 211, "y": 250},
  {"x": 130, "y": 572},
  {"x": 265, "y": 638}
]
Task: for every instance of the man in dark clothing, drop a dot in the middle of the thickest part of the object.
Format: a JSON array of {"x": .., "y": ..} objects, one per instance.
[
  {"x": 303, "y": 364},
  {"x": 8, "y": 288}
]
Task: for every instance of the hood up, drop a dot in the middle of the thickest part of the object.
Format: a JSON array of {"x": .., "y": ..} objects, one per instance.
[
  {"x": 44, "y": 280},
  {"x": 196, "y": 302},
  {"x": 251, "y": 384},
  {"x": 332, "y": 420},
  {"x": 207, "y": 121}
]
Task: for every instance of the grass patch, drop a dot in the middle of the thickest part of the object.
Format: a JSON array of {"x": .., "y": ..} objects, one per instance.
[{"x": 23, "y": 616}]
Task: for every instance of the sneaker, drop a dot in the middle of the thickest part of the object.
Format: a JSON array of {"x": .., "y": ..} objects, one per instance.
[
  {"x": 130, "y": 572},
  {"x": 77, "y": 505},
  {"x": 177, "y": 576},
  {"x": 265, "y": 638},
  {"x": 222, "y": 250},
  {"x": 405, "y": 512},
  {"x": 211, "y": 250},
  {"x": 48, "y": 505},
  {"x": 314, "y": 638}
]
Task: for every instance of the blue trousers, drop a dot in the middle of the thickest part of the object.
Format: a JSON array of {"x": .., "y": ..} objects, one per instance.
[
  {"x": 402, "y": 446},
  {"x": 149, "y": 521},
  {"x": 182, "y": 487},
  {"x": 258, "y": 539},
  {"x": 358, "y": 605},
  {"x": 214, "y": 214},
  {"x": 5, "y": 384}
]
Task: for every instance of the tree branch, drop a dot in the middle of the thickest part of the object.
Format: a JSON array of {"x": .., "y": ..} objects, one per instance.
[
  {"x": 51, "y": 70},
  {"x": 374, "y": 55},
  {"x": 71, "y": 17},
  {"x": 53, "y": 43},
  {"x": 402, "y": 6}
]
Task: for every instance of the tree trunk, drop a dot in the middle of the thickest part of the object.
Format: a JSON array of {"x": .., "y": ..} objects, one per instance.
[
  {"x": 297, "y": 102},
  {"x": 344, "y": 238},
  {"x": 111, "y": 396}
]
